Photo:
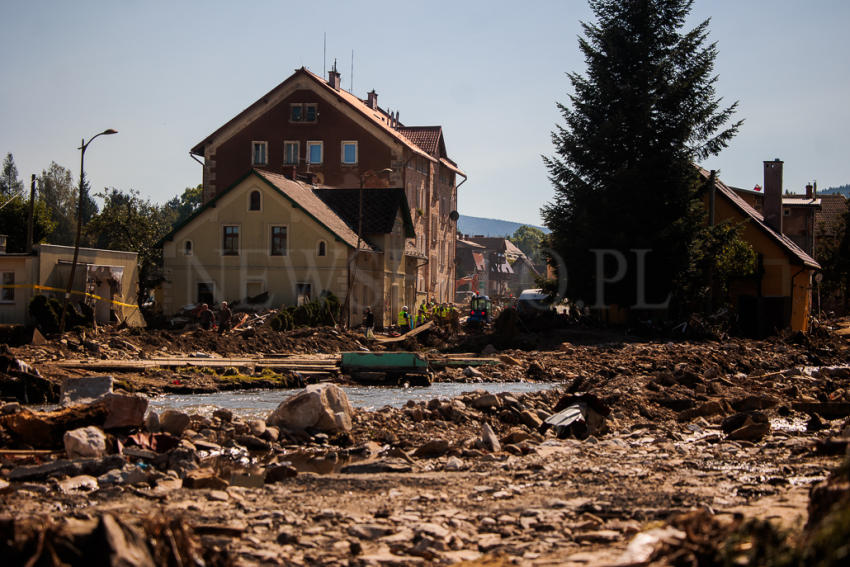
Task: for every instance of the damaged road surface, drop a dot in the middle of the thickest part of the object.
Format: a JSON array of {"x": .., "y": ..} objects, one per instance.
[{"x": 647, "y": 453}]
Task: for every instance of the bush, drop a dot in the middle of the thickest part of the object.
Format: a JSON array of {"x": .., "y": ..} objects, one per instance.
[
  {"x": 47, "y": 312},
  {"x": 321, "y": 312}
]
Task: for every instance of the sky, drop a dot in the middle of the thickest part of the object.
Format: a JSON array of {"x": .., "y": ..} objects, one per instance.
[{"x": 166, "y": 74}]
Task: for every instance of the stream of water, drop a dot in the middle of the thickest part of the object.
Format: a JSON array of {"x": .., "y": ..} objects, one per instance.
[{"x": 260, "y": 403}]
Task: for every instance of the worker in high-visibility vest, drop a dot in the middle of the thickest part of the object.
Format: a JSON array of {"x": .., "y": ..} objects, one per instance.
[
  {"x": 404, "y": 320},
  {"x": 421, "y": 316}
]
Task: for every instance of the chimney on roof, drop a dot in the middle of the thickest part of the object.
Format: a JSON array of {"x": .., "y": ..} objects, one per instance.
[
  {"x": 809, "y": 191},
  {"x": 333, "y": 77},
  {"x": 372, "y": 99},
  {"x": 773, "y": 194}
]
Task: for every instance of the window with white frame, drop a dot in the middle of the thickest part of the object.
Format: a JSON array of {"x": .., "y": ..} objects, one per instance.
[
  {"x": 278, "y": 241},
  {"x": 230, "y": 240},
  {"x": 314, "y": 152},
  {"x": 290, "y": 152},
  {"x": 349, "y": 152},
  {"x": 7, "y": 292},
  {"x": 259, "y": 153}
]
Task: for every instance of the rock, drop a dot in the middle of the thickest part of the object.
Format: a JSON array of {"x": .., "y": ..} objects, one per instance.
[
  {"x": 827, "y": 410},
  {"x": 486, "y": 402},
  {"x": 369, "y": 531},
  {"x": 516, "y": 436},
  {"x": 81, "y": 483},
  {"x": 252, "y": 443},
  {"x": 278, "y": 473},
  {"x": 471, "y": 372},
  {"x": 257, "y": 426},
  {"x": 750, "y": 426},
  {"x": 509, "y": 360},
  {"x": 454, "y": 464},
  {"x": 488, "y": 350},
  {"x": 204, "y": 478},
  {"x": 93, "y": 467},
  {"x": 323, "y": 407},
  {"x": 707, "y": 409},
  {"x": 174, "y": 422},
  {"x": 85, "y": 390},
  {"x": 377, "y": 467},
  {"x": 85, "y": 442},
  {"x": 432, "y": 449},
  {"x": 530, "y": 420},
  {"x": 152, "y": 422},
  {"x": 124, "y": 410},
  {"x": 488, "y": 439},
  {"x": 130, "y": 474},
  {"x": 750, "y": 403},
  {"x": 223, "y": 414}
]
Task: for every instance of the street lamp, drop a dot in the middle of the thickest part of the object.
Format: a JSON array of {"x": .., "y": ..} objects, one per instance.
[
  {"x": 353, "y": 269},
  {"x": 82, "y": 148}
]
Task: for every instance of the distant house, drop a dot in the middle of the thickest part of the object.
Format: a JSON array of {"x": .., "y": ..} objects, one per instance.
[
  {"x": 501, "y": 268},
  {"x": 107, "y": 280},
  {"x": 779, "y": 295},
  {"x": 267, "y": 235},
  {"x": 311, "y": 129}
]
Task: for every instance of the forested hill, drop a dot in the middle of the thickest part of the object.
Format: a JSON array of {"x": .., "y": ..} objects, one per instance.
[
  {"x": 840, "y": 190},
  {"x": 490, "y": 227}
]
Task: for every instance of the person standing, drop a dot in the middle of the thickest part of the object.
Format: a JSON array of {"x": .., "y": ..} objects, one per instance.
[
  {"x": 368, "y": 323},
  {"x": 404, "y": 320},
  {"x": 206, "y": 318},
  {"x": 224, "y": 317}
]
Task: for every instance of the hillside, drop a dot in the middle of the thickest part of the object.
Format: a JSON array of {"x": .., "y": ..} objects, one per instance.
[
  {"x": 840, "y": 190},
  {"x": 489, "y": 227}
]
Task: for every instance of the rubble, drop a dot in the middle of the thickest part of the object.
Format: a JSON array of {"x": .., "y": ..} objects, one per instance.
[{"x": 646, "y": 452}]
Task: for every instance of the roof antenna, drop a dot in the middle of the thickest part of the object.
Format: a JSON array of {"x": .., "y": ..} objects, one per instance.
[
  {"x": 351, "y": 82},
  {"x": 325, "y": 55}
]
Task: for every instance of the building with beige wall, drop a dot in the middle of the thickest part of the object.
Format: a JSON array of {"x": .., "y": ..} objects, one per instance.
[
  {"x": 310, "y": 128},
  {"x": 267, "y": 234},
  {"x": 107, "y": 280}
]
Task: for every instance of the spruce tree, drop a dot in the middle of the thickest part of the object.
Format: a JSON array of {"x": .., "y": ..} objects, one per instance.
[{"x": 623, "y": 170}]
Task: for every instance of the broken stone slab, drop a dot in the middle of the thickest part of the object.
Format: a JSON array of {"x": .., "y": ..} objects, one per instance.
[
  {"x": 489, "y": 441},
  {"x": 377, "y": 467},
  {"x": 252, "y": 443},
  {"x": 124, "y": 410},
  {"x": 85, "y": 442},
  {"x": 579, "y": 419},
  {"x": 827, "y": 410},
  {"x": 280, "y": 472},
  {"x": 322, "y": 407},
  {"x": 80, "y": 483},
  {"x": 486, "y": 401},
  {"x": 84, "y": 390},
  {"x": 432, "y": 449},
  {"x": 63, "y": 467},
  {"x": 749, "y": 426},
  {"x": 369, "y": 531},
  {"x": 204, "y": 478},
  {"x": 130, "y": 474}
]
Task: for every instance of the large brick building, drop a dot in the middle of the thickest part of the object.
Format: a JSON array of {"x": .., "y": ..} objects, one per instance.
[{"x": 311, "y": 129}]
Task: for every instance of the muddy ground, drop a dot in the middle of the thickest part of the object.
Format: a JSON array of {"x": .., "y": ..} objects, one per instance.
[{"x": 698, "y": 437}]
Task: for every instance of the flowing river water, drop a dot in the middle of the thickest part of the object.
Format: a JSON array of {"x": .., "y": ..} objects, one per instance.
[{"x": 260, "y": 403}]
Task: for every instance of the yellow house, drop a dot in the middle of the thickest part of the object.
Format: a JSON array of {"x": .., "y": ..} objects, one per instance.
[
  {"x": 287, "y": 242},
  {"x": 779, "y": 295},
  {"x": 107, "y": 280}
]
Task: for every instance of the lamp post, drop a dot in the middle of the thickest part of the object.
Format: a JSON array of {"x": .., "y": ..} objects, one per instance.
[
  {"x": 82, "y": 148},
  {"x": 353, "y": 268}
]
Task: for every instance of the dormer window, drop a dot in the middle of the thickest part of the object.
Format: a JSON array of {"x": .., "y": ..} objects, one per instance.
[
  {"x": 259, "y": 153},
  {"x": 303, "y": 112}
]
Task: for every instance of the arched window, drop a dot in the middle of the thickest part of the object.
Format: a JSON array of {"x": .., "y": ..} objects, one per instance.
[
  {"x": 187, "y": 248},
  {"x": 322, "y": 249},
  {"x": 254, "y": 204}
]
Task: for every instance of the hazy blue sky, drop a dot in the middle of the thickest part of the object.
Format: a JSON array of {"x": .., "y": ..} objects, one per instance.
[{"x": 166, "y": 74}]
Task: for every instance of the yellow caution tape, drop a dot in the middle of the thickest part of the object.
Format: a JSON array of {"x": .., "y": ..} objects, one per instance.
[{"x": 83, "y": 293}]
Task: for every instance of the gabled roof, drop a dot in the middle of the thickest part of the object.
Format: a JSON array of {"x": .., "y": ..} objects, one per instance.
[
  {"x": 377, "y": 117},
  {"x": 381, "y": 207},
  {"x": 797, "y": 254},
  {"x": 299, "y": 194}
]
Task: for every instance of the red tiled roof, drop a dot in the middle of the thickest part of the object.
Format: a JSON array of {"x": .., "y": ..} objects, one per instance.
[
  {"x": 782, "y": 240},
  {"x": 426, "y": 137}
]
